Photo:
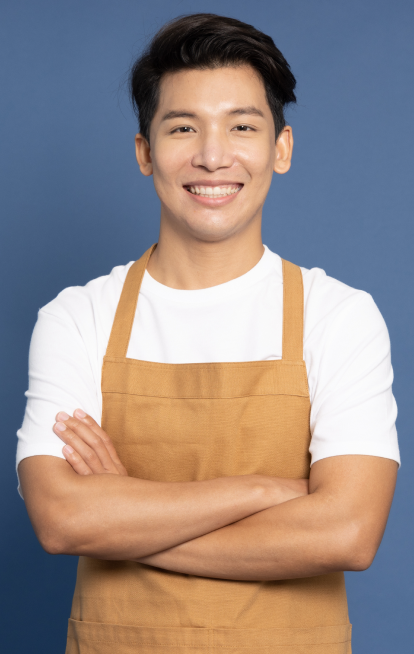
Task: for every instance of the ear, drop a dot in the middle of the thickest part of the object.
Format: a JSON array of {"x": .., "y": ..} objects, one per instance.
[
  {"x": 143, "y": 154},
  {"x": 284, "y": 147}
]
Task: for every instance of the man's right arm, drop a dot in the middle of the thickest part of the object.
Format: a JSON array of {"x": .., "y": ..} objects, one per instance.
[{"x": 118, "y": 517}]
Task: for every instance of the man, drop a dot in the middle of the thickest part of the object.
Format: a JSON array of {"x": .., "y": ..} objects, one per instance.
[{"x": 245, "y": 451}]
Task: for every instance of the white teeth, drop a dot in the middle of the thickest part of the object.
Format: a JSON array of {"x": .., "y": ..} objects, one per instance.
[{"x": 213, "y": 191}]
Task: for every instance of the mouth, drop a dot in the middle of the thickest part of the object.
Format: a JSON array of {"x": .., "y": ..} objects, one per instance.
[{"x": 216, "y": 191}]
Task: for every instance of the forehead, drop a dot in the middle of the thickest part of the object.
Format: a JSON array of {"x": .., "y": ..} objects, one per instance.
[{"x": 212, "y": 91}]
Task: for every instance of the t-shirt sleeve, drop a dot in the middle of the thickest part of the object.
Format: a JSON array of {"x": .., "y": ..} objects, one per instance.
[
  {"x": 353, "y": 408},
  {"x": 62, "y": 375}
]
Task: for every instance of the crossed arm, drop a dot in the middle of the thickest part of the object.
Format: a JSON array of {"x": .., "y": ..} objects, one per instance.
[{"x": 245, "y": 527}]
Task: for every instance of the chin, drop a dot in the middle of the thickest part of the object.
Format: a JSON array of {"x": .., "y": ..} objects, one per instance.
[{"x": 212, "y": 232}]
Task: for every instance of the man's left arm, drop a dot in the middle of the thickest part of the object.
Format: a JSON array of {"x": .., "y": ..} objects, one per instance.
[{"x": 338, "y": 526}]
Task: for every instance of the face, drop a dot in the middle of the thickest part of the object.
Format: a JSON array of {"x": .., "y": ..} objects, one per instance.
[{"x": 212, "y": 151}]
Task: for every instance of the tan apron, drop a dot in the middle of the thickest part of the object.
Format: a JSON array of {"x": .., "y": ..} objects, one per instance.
[{"x": 189, "y": 422}]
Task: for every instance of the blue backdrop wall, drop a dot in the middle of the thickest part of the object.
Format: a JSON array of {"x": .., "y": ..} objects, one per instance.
[{"x": 73, "y": 205}]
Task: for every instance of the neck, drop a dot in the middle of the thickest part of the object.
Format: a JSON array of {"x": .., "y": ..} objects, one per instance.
[{"x": 188, "y": 263}]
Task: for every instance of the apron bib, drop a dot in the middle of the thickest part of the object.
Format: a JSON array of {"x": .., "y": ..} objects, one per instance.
[{"x": 190, "y": 422}]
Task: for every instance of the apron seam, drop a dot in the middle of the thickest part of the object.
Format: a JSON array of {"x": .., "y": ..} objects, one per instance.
[{"x": 207, "y": 397}]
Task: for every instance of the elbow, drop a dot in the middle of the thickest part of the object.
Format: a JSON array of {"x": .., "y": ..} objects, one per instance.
[
  {"x": 54, "y": 498},
  {"x": 360, "y": 560},
  {"x": 361, "y": 549},
  {"x": 52, "y": 543},
  {"x": 53, "y": 538},
  {"x": 56, "y": 532}
]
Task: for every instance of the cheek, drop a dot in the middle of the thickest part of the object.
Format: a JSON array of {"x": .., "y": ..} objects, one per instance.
[
  {"x": 257, "y": 160},
  {"x": 168, "y": 161}
]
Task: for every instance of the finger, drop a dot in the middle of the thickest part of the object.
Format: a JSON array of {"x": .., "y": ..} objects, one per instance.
[
  {"x": 77, "y": 463},
  {"x": 86, "y": 444},
  {"x": 92, "y": 435},
  {"x": 88, "y": 420},
  {"x": 102, "y": 437}
]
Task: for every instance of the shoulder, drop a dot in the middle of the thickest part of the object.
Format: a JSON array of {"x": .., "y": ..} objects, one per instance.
[
  {"x": 90, "y": 305},
  {"x": 332, "y": 306},
  {"x": 79, "y": 320},
  {"x": 329, "y": 303}
]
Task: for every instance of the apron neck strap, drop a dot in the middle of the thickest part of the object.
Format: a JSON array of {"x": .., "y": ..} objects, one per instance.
[
  {"x": 125, "y": 313},
  {"x": 292, "y": 346}
]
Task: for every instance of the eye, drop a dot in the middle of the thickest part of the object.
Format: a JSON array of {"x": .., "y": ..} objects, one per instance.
[
  {"x": 182, "y": 130},
  {"x": 243, "y": 128}
]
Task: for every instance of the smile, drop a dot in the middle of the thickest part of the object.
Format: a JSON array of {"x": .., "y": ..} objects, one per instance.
[{"x": 215, "y": 191}]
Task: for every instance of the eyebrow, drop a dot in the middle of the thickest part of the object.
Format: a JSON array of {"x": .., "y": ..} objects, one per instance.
[
  {"x": 242, "y": 111},
  {"x": 247, "y": 111},
  {"x": 178, "y": 114}
]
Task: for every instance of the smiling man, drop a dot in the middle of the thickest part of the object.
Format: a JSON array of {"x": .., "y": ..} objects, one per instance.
[{"x": 228, "y": 420}]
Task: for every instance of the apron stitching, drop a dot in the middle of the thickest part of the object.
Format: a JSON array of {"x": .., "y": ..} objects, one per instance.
[{"x": 207, "y": 397}]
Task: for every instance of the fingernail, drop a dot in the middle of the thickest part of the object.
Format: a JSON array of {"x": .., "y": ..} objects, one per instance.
[
  {"x": 62, "y": 416},
  {"x": 80, "y": 414},
  {"x": 60, "y": 426},
  {"x": 67, "y": 449}
]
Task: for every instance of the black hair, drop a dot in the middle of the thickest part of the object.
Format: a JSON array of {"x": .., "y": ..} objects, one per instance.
[{"x": 208, "y": 41}]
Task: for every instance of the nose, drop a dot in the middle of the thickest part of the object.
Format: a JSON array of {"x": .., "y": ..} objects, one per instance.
[{"x": 213, "y": 152}]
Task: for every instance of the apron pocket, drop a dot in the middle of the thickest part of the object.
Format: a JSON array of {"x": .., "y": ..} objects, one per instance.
[{"x": 103, "y": 638}]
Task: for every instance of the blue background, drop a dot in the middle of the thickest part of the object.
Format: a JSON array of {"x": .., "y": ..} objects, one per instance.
[{"x": 73, "y": 205}]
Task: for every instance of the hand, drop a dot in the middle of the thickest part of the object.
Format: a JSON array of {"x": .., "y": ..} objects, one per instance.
[{"x": 88, "y": 449}]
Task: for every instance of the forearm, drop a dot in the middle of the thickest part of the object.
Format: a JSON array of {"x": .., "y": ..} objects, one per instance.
[
  {"x": 115, "y": 517},
  {"x": 300, "y": 538},
  {"x": 338, "y": 526},
  {"x": 133, "y": 515}
]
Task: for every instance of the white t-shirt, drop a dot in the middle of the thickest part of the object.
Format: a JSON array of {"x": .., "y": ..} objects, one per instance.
[{"x": 346, "y": 350}]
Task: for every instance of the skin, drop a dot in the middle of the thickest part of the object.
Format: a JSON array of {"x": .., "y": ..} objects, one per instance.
[{"x": 212, "y": 127}]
